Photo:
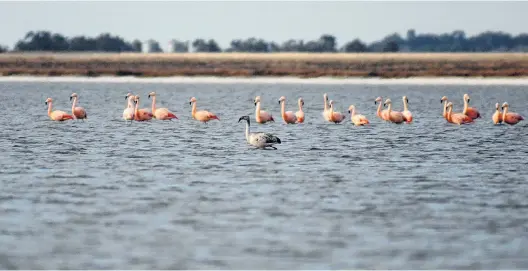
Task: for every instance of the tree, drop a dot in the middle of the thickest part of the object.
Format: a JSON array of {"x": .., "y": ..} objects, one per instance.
[
  {"x": 153, "y": 46},
  {"x": 179, "y": 46},
  {"x": 3, "y": 49},
  {"x": 200, "y": 45},
  {"x": 137, "y": 46},
  {"x": 355, "y": 46},
  {"x": 391, "y": 46}
]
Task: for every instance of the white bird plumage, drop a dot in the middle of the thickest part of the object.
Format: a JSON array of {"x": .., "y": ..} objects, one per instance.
[{"x": 259, "y": 140}]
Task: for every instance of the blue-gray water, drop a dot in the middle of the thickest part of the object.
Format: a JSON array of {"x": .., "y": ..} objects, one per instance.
[{"x": 102, "y": 194}]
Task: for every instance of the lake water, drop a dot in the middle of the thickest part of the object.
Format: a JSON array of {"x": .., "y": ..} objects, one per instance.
[{"x": 102, "y": 194}]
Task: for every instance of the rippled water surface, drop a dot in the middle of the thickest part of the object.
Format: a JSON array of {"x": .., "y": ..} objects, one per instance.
[{"x": 182, "y": 194}]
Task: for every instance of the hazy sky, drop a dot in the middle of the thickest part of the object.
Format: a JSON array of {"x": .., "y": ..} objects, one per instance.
[{"x": 277, "y": 21}]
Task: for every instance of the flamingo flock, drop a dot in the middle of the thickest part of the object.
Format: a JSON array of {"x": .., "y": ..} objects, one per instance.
[{"x": 132, "y": 112}]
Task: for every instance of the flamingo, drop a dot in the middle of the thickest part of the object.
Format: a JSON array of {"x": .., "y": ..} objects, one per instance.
[
  {"x": 202, "y": 115},
  {"x": 497, "y": 116},
  {"x": 471, "y": 112},
  {"x": 77, "y": 111},
  {"x": 259, "y": 140},
  {"x": 57, "y": 115},
  {"x": 141, "y": 114},
  {"x": 261, "y": 116},
  {"x": 129, "y": 112},
  {"x": 444, "y": 102},
  {"x": 509, "y": 117},
  {"x": 160, "y": 113},
  {"x": 394, "y": 116},
  {"x": 288, "y": 116},
  {"x": 326, "y": 112},
  {"x": 358, "y": 120},
  {"x": 300, "y": 114},
  {"x": 384, "y": 115},
  {"x": 407, "y": 115},
  {"x": 457, "y": 118},
  {"x": 336, "y": 117}
]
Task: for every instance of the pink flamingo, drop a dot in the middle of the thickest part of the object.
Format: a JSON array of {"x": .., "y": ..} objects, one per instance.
[
  {"x": 141, "y": 114},
  {"x": 471, "y": 112},
  {"x": 202, "y": 115},
  {"x": 300, "y": 114},
  {"x": 497, "y": 116},
  {"x": 261, "y": 116},
  {"x": 129, "y": 112},
  {"x": 57, "y": 115},
  {"x": 326, "y": 111},
  {"x": 444, "y": 102},
  {"x": 358, "y": 120},
  {"x": 336, "y": 117},
  {"x": 288, "y": 116},
  {"x": 77, "y": 111},
  {"x": 384, "y": 115},
  {"x": 394, "y": 116},
  {"x": 509, "y": 117},
  {"x": 160, "y": 113},
  {"x": 407, "y": 115},
  {"x": 457, "y": 118}
]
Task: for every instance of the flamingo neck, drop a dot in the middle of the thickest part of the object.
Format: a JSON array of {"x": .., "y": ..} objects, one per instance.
[
  {"x": 379, "y": 109},
  {"x": 449, "y": 112},
  {"x": 445, "y": 109},
  {"x": 247, "y": 131},
  {"x": 405, "y": 106},
  {"x": 300, "y": 106},
  {"x": 49, "y": 108},
  {"x": 153, "y": 104},
  {"x": 130, "y": 104},
  {"x": 353, "y": 112},
  {"x": 465, "y": 107},
  {"x": 193, "y": 112},
  {"x": 257, "y": 110},
  {"x": 504, "y": 112},
  {"x": 283, "y": 108},
  {"x": 325, "y": 104},
  {"x": 389, "y": 108},
  {"x": 136, "y": 111},
  {"x": 74, "y": 103}
]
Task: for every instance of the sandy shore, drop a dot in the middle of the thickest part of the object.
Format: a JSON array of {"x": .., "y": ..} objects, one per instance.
[{"x": 299, "y": 65}]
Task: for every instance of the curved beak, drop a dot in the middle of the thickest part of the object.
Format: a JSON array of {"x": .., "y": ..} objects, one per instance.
[
  {"x": 70, "y": 98},
  {"x": 302, "y": 103},
  {"x": 46, "y": 103},
  {"x": 149, "y": 96},
  {"x": 255, "y": 104},
  {"x": 375, "y": 102},
  {"x": 384, "y": 104},
  {"x": 279, "y": 101},
  {"x": 126, "y": 97},
  {"x": 348, "y": 111},
  {"x": 441, "y": 101},
  {"x": 407, "y": 100}
]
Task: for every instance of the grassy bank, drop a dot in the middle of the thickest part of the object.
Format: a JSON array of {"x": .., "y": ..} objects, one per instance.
[{"x": 305, "y": 65}]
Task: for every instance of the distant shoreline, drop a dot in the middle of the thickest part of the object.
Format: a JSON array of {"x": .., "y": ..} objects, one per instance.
[
  {"x": 264, "y": 65},
  {"x": 517, "y": 81}
]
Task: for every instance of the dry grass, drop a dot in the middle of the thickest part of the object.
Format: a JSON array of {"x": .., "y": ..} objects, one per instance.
[{"x": 275, "y": 64}]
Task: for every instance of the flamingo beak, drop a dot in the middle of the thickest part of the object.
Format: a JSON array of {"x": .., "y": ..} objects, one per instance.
[
  {"x": 348, "y": 111},
  {"x": 46, "y": 103},
  {"x": 190, "y": 103},
  {"x": 375, "y": 102},
  {"x": 149, "y": 96},
  {"x": 70, "y": 98},
  {"x": 407, "y": 100},
  {"x": 279, "y": 101},
  {"x": 302, "y": 103},
  {"x": 126, "y": 97},
  {"x": 255, "y": 103}
]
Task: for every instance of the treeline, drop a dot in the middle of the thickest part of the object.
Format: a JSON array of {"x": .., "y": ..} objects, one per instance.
[{"x": 457, "y": 41}]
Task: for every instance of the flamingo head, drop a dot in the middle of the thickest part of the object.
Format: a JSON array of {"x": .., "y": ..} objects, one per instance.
[
  {"x": 505, "y": 105},
  {"x": 128, "y": 95},
  {"x": 301, "y": 101},
  {"x": 74, "y": 95},
  {"x": 136, "y": 99},
  {"x": 443, "y": 99},
  {"x": 449, "y": 106},
  {"x": 257, "y": 100},
  {"x": 246, "y": 118},
  {"x": 331, "y": 103},
  {"x": 193, "y": 100},
  {"x": 405, "y": 100},
  {"x": 387, "y": 102},
  {"x": 378, "y": 100},
  {"x": 466, "y": 97},
  {"x": 282, "y": 99},
  {"x": 48, "y": 100},
  {"x": 497, "y": 106},
  {"x": 152, "y": 94},
  {"x": 325, "y": 96},
  {"x": 351, "y": 108}
]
